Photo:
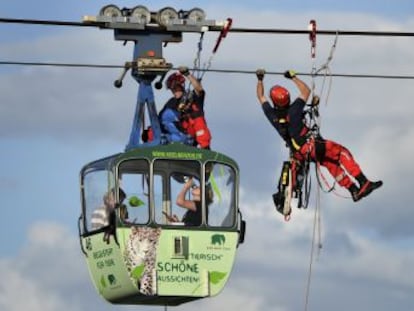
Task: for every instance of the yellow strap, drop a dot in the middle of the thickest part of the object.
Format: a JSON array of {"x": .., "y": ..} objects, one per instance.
[
  {"x": 214, "y": 186},
  {"x": 294, "y": 144}
]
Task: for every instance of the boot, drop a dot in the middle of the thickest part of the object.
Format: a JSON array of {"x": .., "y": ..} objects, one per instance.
[
  {"x": 368, "y": 187},
  {"x": 361, "y": 179},
  {"x": 353, "y": 189}
]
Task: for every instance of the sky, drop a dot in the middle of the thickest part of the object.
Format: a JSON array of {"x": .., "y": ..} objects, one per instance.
[{"x": 53, "y": 120}]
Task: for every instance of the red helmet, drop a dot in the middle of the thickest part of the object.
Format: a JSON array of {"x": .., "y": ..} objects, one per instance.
[
  {"x": 175, "y": 80},
  {"x": 280, "y": 96}
]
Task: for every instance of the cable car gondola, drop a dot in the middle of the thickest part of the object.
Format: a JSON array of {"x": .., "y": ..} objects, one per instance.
[
  {"x": 142, "y": 257},
  {"x": 138, "y": 246}
]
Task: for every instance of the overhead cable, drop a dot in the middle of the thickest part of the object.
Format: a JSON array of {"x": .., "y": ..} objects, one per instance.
[
  {"x": 224, "y": 71},
  {"x": 234, "y": 29}
]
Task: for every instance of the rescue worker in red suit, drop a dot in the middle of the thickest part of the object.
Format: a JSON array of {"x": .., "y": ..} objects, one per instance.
[
  {"x": 192, "y": 112},
  {"x": 183, "y": 114},
  {"x": 288, "y": 120}
]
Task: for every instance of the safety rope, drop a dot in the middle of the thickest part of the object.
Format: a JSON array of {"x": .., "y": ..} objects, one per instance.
[
  {"x": 308, "y": 182},
  {"x": 316, "y": 241},
  {"x": 314, "y": 126},
  {"x": 197, "y": 59},
  {"x": 317, "y": 231},
  {"x": 327, "y": 71},
  {"x": 222, "y": 35},
  {"x": 314, "y": 114},
  {"x": 313, "y": 122},
  {"x": 199, "y": 72},
  {"x": 324, "y": 184},
  {"x": 321, "y": 178},
  {"x": 317, "y": 72}
]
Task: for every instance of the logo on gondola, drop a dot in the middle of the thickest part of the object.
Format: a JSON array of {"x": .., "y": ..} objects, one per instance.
[
  {"x": 217, "y": 243},
  {"x": 109, "y": 280},
  {"x": 218, "y": 239}
]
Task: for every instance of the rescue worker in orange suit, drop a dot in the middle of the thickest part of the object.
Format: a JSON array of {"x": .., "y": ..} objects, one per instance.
[
  {"x": 192, "y": 112},
  {"x": 182, "y": 117},
  {"x": 288, "y": 119}
]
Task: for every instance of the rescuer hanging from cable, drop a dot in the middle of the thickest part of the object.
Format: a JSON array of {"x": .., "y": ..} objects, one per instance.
[{"x": 287, "y": 119}]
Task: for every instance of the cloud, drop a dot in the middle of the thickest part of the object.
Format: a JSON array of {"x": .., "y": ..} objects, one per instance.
[
  {"x": 46, "y": 274},
  {"x": 20, "y": 294},
  {"x": 270, "y": 273},
  {"x": 366, "y": 247}
]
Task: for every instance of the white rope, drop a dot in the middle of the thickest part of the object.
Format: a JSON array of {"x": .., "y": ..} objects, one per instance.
[
  {"x": 327, "y": 70},
  {"x": 197, "y": 59},
  {"x": 317, "y": 231},
  {"x": 316, "y": 240}
]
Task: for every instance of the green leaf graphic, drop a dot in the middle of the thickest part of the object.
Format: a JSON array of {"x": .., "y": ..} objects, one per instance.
[
  {"x": 134, "y": 201},
  {"x": 216, "y": 276},
  {"x": 103, "y": 283},
  {"x": 137, "y": 272}
]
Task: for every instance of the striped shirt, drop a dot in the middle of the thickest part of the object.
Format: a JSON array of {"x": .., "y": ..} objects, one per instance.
[{"x": 99, "y": 218}]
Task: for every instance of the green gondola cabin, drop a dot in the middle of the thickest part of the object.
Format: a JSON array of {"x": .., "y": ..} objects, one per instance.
[
  {"x": 138, "y": 243},
  {"x": 144, "y": 258}
]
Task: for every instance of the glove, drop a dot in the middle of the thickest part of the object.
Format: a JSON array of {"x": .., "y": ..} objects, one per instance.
[
  {"x": 184, "y": 70},
  {"x": 260, "y": 74},
  {"x": 290, "y": 74}
]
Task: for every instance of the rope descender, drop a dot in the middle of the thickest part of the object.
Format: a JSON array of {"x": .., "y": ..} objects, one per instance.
[
  {"x": 223, "y": 33},
  {"x": 312, "y": 37}
]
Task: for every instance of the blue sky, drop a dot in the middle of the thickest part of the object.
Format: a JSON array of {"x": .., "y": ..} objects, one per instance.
[{"x": 55, "y": 120}]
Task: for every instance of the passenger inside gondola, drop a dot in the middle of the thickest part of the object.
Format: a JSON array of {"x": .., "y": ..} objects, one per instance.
[
  {"x": 101, "y": 216},
  {"x": 193, "y": 215}
]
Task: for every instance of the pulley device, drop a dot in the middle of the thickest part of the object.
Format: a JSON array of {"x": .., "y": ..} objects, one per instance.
[{"x": 150, "y": 32}]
